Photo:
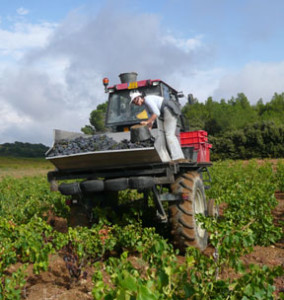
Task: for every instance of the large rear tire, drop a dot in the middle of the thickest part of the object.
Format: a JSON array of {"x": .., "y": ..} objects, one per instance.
[{"x": 185, "y": 229}]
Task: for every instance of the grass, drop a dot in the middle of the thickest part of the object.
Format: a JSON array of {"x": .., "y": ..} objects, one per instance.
[{"x": 19, "y": 167}]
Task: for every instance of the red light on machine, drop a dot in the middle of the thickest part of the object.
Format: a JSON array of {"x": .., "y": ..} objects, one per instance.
[{"x": 105, "y": 83}]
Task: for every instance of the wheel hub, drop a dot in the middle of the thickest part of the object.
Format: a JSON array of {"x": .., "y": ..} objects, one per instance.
[{"x": 199, "y": 209}]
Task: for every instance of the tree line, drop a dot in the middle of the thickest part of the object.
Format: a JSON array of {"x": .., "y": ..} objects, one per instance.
[
  {"x": 19, "y": 149},
  {"x": 237, "y": 129}
]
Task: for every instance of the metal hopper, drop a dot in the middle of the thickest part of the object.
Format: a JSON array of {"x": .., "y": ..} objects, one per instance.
[{"x": 109, "y": 158}]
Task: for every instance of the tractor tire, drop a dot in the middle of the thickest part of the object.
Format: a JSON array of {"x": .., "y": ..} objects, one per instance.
[
  {"x": 69, "y": 189},
  {"x": 116, "y": 184},
  {"x": 92, "y": 186},
  {"x": 141, "y": 182},
  {"x": 185, "y": 229}
]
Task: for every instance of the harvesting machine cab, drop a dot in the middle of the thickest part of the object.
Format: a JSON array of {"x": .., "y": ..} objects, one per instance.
[
  {"x": 98, "y": 176},
  {"x": 120, "y": 114}
]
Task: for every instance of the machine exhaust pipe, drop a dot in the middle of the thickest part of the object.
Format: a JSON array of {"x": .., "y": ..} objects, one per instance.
[{"x": 128, "y": 77}]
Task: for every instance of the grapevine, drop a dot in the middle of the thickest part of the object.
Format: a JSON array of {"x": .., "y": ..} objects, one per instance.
[{"x": 131, "y": 261}]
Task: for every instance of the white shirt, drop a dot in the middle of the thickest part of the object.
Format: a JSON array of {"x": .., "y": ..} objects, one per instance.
[{"x": 154, "y": 104}]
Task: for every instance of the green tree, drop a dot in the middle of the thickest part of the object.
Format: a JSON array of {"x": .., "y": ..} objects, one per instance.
[
  {"x": 273, "y": 110},
  {"x": 97, "y": 120},
  {"x": 258, "y": 140},
  {"x": 195, "y": 115},
  {"x": 219, "y": 117}
]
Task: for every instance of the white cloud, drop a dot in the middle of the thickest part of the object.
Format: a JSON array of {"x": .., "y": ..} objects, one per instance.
[
  {"x": 10, "y": 117},
  {"x": 256, "y": 80},
  {"x": 186, "y": 45},
  {"x": 31, "y": 94},
  {"x": 24, "y": 36},
  {"x": 33, "y": 104},
  {"x": 111, "y": 44},
  {"x": 22, "y": 11},
  {"x": 200, "y": 83}
]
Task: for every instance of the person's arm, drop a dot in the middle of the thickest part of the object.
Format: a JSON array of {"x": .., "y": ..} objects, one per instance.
[{"x": 150, "y": 121}]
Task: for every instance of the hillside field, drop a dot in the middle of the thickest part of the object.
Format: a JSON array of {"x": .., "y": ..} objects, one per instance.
[
  {"x": 19, "y": 167},
  {"x": 122, "y": 257}
]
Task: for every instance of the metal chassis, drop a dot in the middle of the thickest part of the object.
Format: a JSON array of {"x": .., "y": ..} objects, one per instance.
[{"x": 162, "y": 173}]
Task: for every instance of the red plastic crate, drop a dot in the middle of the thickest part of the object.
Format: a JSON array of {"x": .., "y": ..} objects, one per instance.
[
  {"x": 193, "y": 137},
  {"x": 193, "y": 140},
  {"x": 203, "y": 150},
  {"x": 199, "y": 140},
  {"x": 191, "y": 134}
]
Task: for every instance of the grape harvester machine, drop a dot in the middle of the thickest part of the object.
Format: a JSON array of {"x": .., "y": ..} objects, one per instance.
[{"x": 97, "y": 177}]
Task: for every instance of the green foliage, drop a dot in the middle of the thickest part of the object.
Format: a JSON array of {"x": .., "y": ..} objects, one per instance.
[
  {"x": 25, "y": 243},
  {"x": 19, "y": 149},
  {"x": 10, "y": 286},
  {"x": 280, "y": 176},
  {"x": 195, "y": 115},
  {"x": 239, "y": 130},
  {"x": 258, "y": 140},
  {"x": 218, "y": 117},
  {"x": 134, "y": 262},
  {"x": 97, "y": 120},
  {"x": 273, "y": 110},
  {"x": 31, "y": 196},
  {"x": 256, "y": 284},
  {"x": 249, "y": 192},
  {"x": 154, "y": 274}
]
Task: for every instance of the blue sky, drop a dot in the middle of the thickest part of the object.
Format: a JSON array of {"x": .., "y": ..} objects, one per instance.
[{"x": 53, "y": 55}]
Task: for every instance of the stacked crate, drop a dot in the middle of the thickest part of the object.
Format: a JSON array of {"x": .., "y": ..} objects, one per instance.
[{"x": 199, "y": 140}]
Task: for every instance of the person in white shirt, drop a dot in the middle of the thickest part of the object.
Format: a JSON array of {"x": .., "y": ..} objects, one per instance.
[{"x": 166, "y": 112}]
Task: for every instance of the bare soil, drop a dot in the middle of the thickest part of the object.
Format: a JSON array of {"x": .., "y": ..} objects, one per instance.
[{"x": 57, "y": 283}]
